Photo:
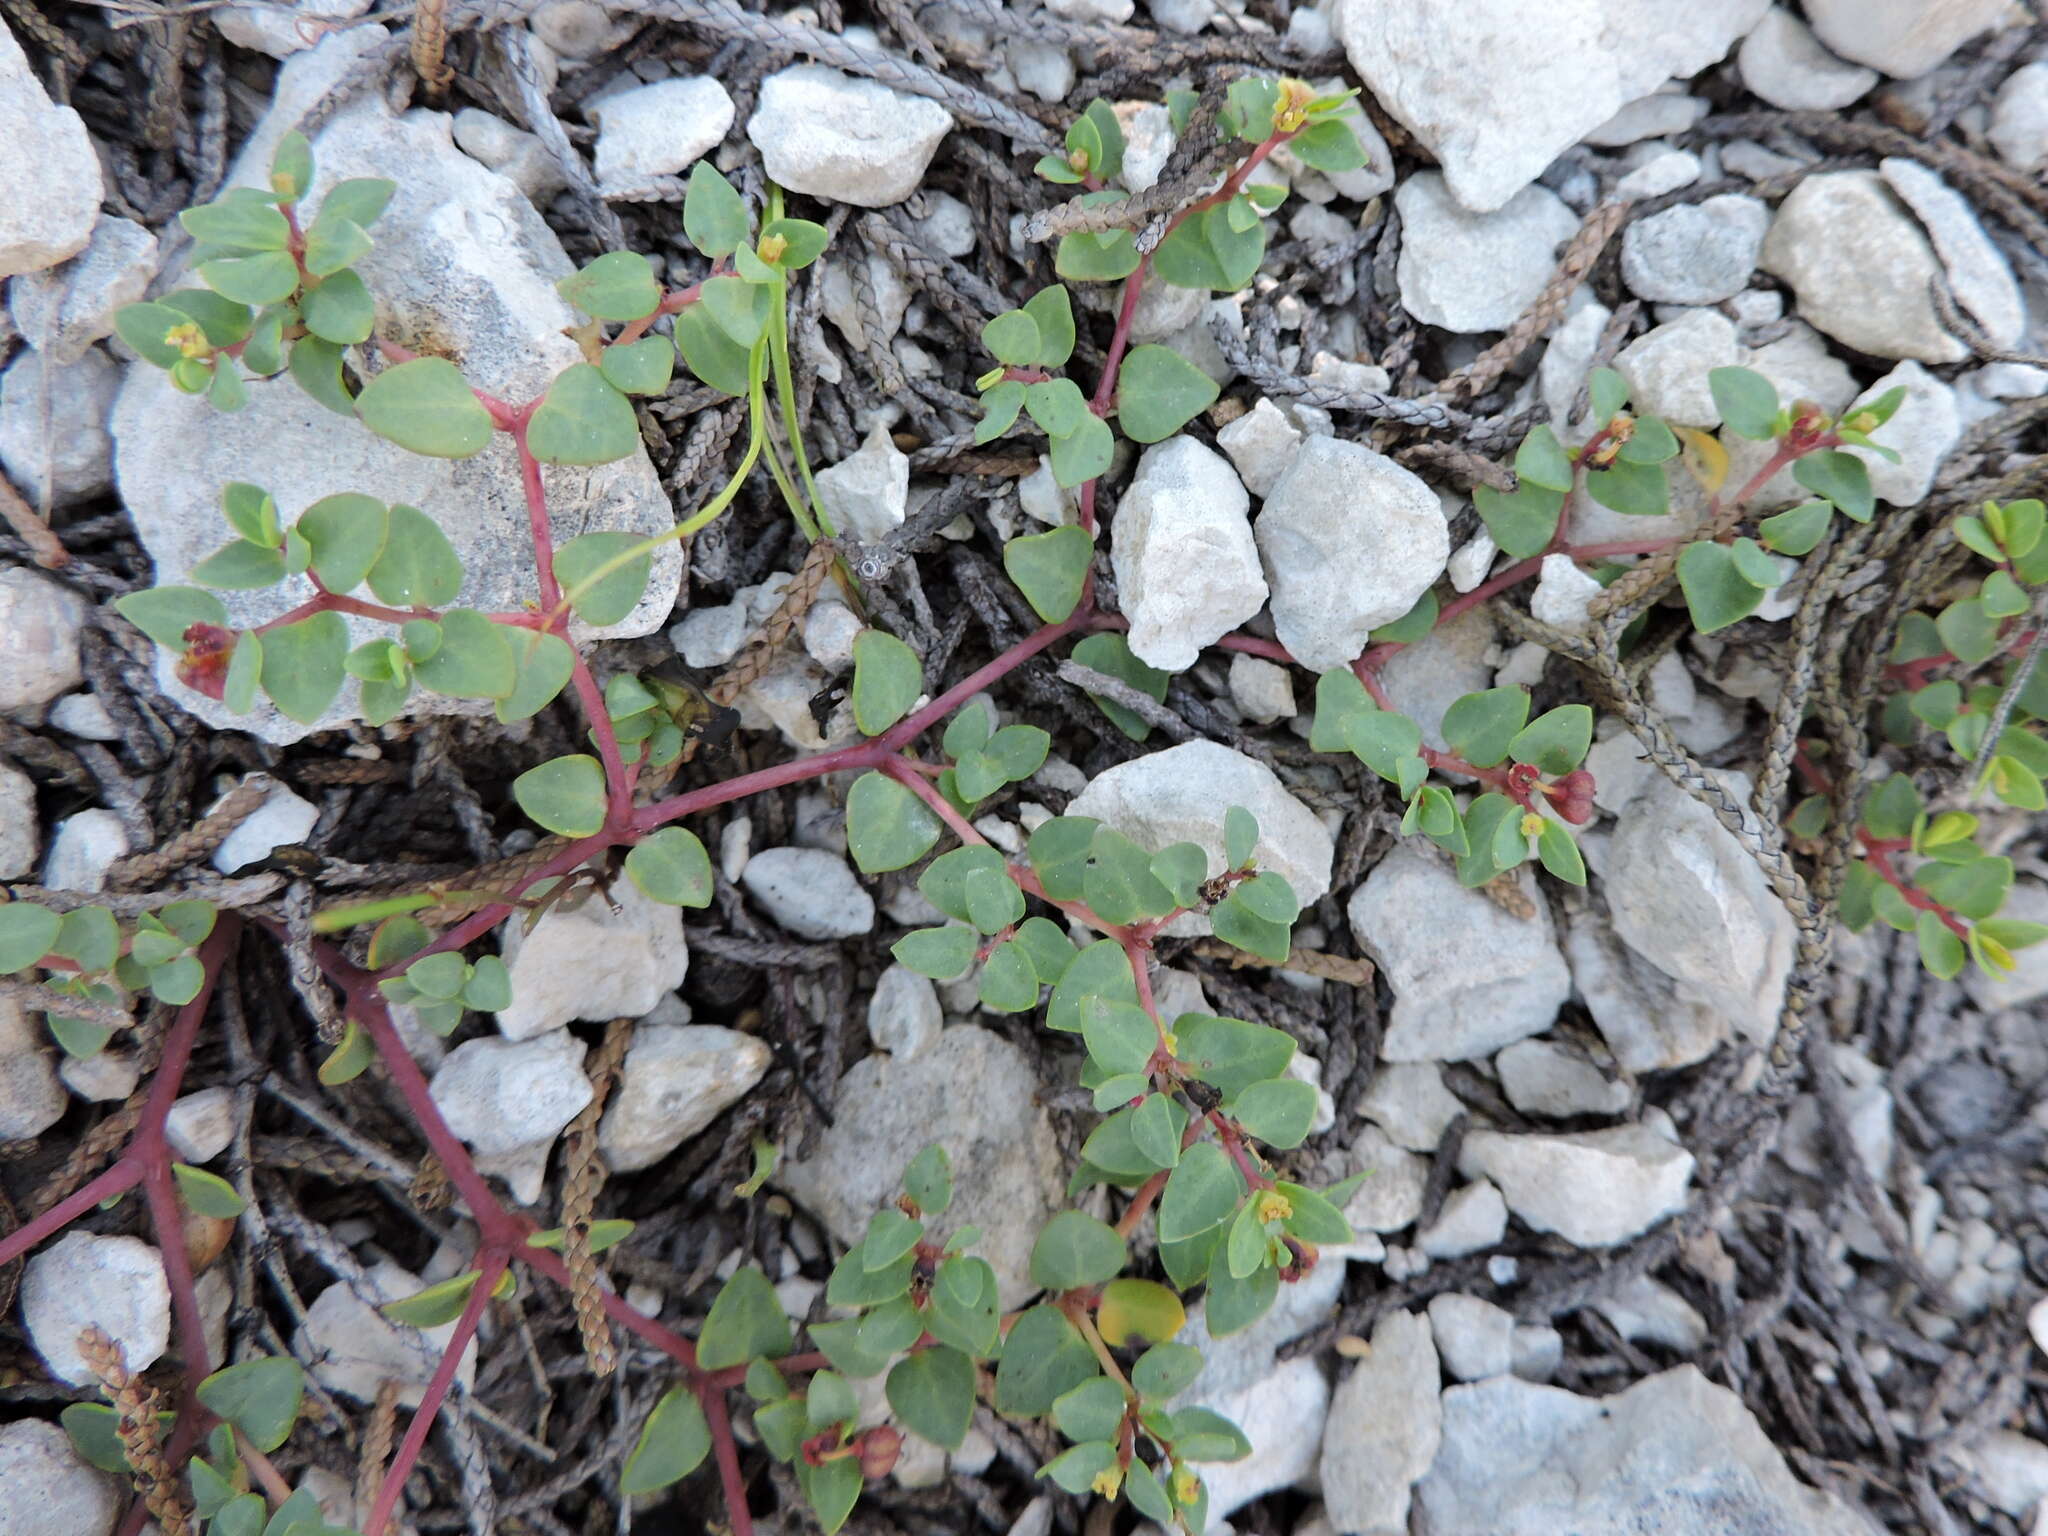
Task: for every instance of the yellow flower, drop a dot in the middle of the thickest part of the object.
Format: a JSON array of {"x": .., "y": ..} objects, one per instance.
[
  {"x": 1186, "y": 1486},
  {"x": 1107, "y": 1481},
  {"x": 1532, "y": 824},
  {"x": 1274, "y": 1206},
  {"x": 188, "y": 339},
  {"x": 1290, "y": 113},
  {"x": 772, "y": 248}
]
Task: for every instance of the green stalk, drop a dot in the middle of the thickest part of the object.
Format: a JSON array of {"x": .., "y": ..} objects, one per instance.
[{"x": 785, "y": 387}]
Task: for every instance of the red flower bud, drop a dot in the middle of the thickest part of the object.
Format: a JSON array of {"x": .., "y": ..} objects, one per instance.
[
  {"x": 204, "y": 666},
  {"x": 1573, "y": 796},
  {"x": 879, "y": 1448}
]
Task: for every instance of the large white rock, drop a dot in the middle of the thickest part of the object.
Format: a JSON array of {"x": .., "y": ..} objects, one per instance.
[
  {"x": 1470, "y": 271},
  {"x": 51, "y": 1491},
  {"x": 1667, "y": 367},
  {"x": 284, "y": 818},
  {"x": 1694, "y": 253},
  {"x": 49, "y": 176},
  {"x": 1391, "y": 1197},
  {"x": 645, "y": 958},
  {"x": 1494, "y": 109},
  {"x": 1282, "y": 1413},
  {"x": 832, "y": 136},
  {"x": 81, "y": 1280},
  {"x": 64, "y": 310},
  {"x": 1861, "y": 264},
  {"x": 1187, "y": 571},
  {"x": 1180, "y": 796},
  {"x": 20, "y": 839},
  {"x": 53, "y": 427},
  {"x": 1468, "y": 977},
  {"x": 81, "y": 848},
  {"x": 1904, "y": 38},
  {"x": 41, "y": 618},
  {"x": 2019, "y": 117},
  {"x": 1592, "y": 1188},
  {"x": 512, "y": 152},
  {"x": 809, "y": 892},
  {"x": 1426, "y": 678},
  {"x": 904, "y": 1016},
  {"x": 1977, "y": 270},
  {"x": 461, "y": 265},
  {"x": 1541, "y": 1078},
  {"x": 1783, "y": 62},
  {"x": 1384, "y": 1428},
  {"x": 1921, "y": 432},
  {"x": 974, "y": 1094},
  {"x": 1261, "y": 445},
  {"x": 1474, "y": 1337},
  {"x": 31, "y": 1098},
  {"x": 677, "y": 1079},
  {"x": 866, "y": 493},
  {"x": 354, "y": 1349},
  {"x": 284, "y": 29},
  {"x": 1408, "y": 1100},
  {"x": 659, "y": 129},
  {"x": 510, "y": 1098},
  {"x": 1350, "y": 540},
  {"x": 2008, "y": 1468},
  {"x": 1674, "y": 1454},
  {"x": 1688, "y": 899},
  {"x": 1640, "y": 1012}
]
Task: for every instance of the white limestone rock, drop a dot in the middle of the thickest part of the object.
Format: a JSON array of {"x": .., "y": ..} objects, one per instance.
[
  {"x": 1860, "y": 264},
  {"x": 1391, "y": 1197},
  {"x": 1921, "y": 432},
  {"x": 1495, "y": 110},
  {"x": 282, "y": 30},
  {"x": 1667, "y": 367},
  {"x": 53, "y": 427},
  {"x": 81, "y": 1280},
  {"x": 810, "y": 892},
  {"x": 1784, "y": 63},
  {"x": 2019, "y": 117},
  {"x": 1474, "y": 1338},
  {"x": 463, "y": 265},
  {"x": 1187, "y": 571},
  {"x": 1541, "y": 1078},
  {"x": 976, "y": 1095},
  {"x": 1349, "y": 540},
  {"x": 1473, "y": 1219},
  {"x": 49, "y": 177},
  {"x": 41, "y": 618},
  {"x": 200, "y": 1125},
  {"x": 866, "y": 494},
  {"x": 1904, "y": 38},
  {"x": 1695, "y": 253},
  {"x": 51, "y": 1490},
  {"x": 509, "y": 1099},
  {"x": 81, "y": 848},
  {"x": 1470, "y": 271},
  {"x": 658, "y": 130},
  {"x": 1180, "y": 795},
  {"x": 1978, "y": 273},
  {"x": 1384, "y": 1428},
  {"x": 1592, "y": 1188},
  {"x": 643, "y": 952},
  {"x": 1408, "y": 1100},
  {"x": 20, "y": 839},
  {"x": 904, "y": 1016},
  {"x": 31, "y": 1098},
  {"x": 1262, "y": 690},
  {"x": 282, "y": 820},
  {"x": 848, "y": 140},
  {"x": 63, "y": 310},
  {"x": 520, "y": 157},
  {"x": 354, "y": 1349},
  {"x": 1261, "y": 443},
  {"x": 1468, "y": 978},
  {"x": 676, "y": 1079}
]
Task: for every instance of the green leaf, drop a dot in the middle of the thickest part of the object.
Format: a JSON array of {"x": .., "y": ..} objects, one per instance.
[
  {"x": 1238, "y": 924},
  {"x": 612, "y": 597},
  {"x": 1941, "y": 951},
  {"x": 673, "y": 1442},
  {"x": 1236, "y": 1302},
  {"x": 1652, "y": 443},
  {"x": 1231, "y": 1054},
  {"x": 425, "y": 406},
  {"x": 1158, "y": 392},
  {"x": 360, "y": 199},
  {"x": 940, "y": 953},
  {"x": 1052, "y": 311},
  {"x": 238, "y": 224},
  {"x": 932, "y": 1392},
  {"x": 144, "y": 327},
  {"x": 671, "y": 866},
  {"x": 928, "y": 1180},
  {"x": 418, "y": 567},
  {"x": 1797, "y": 532},
  {"x": 1481, "y": 727},
  {"x": 711, "y": 354},
  {"x": 1081, "y": 455},
  {"x": 1893, "y": 808},
  {"x": 1523, "y": 522},
  {"x": 1008, "y": 982},
  {"x": 1043, "y": 1359},
  {"x": 1559, "y": 853},
  {"x": 316, "y": 367},
  {"x": 1049, "y": 569},
  {"x": 1075, "y": 1469},
  {"x": 1202, "y": 1435},
  {"x": 1716, "y": 591},
  {"x": 1012, "y": 338},
  {"x": 619, "y": 285},
  {"x": 714, "y": 215},
  {"x": 1166, "y": 1370},
  {"x": 488, "y": 989},
  {"x": 1968, "y": 630},
  {"x": 347, "y": 533},
  {"x": 583, "y": 420},
  {"x": 1182, "y": 868},
  {"x": 474, "y": 660},
  {"x": 1207, "y": 252},
  {"x": 209, "y": 1195},
  {"x": 1541, "y": 460},
  {"x": 803, "y": 242},
  {"x": 1058, "y": 406},
  {"x": 887, "y": 826},
  {"x": 745, "y": 1321},
  {"x": 1329, "y": 145},
  {"x": 1109, "y": 652},
  {"x": 259, "y": 1397},
  {"x": 641, "y": 367},
  {"x": 241, "y": 566},
  {"x": 545, "y": 663},
  {"x": 1092, "y": 1411},
  {"x": 1555, "y": 741},
  {"x": 334, "y": 241},
  {"x": 1075, "y": 1249},
  {"x": 1269, "y": 896},
  {"x": 1000, "y": 406},
  {"x": 437, "y": 1304},
  {"x": 1842, "y": 478},
  {"x": 994, "y": 902},
  {"x": 1636, "y": 490},
  {"x": 1278, "y": 1111},
  {"x": 303, "y": 665},
  {"x": 1202, "y": 1192},
  {"x": 564, "y": 794},
  {"x": 1747, "y": 401},
  {"x": 1156, "y": 1124},
  {"x": 165, "y": 613},
  {"x": 887, "y": 678},
  {"x": 1086, "y": 257},
  {"x": 291, "y": 167}
]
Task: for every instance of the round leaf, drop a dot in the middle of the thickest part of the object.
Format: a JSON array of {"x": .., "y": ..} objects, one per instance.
[
  {"x": 1075, "y": 1249},
  {"x": 1049, "y": 569},
  {"x": 671, "y": 866},
  {"x": 887, "y": 678},
  {"x": 674, "y": 1440},
  {"x": 609, "y": 598},
  {"x": 887, "y": 826},
  {"x": 304, "y": 663},
  {"x": 1159, "y": 392},
  {"x": 583, "y": 420},
  {"x": 425, "y": 406},
  {"x": 565, "y": 795}
]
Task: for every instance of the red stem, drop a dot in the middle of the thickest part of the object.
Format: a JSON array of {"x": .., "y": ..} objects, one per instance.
[{"x": 1877, "y": 854}]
